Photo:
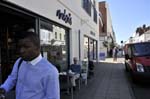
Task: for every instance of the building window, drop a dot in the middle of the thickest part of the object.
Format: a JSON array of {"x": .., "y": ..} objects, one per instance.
[
  {"x": 94, "y": 12},
  {"x": 60, "y": 36},
  {"x": 95, "y": 15},
  {"x": 87, "y": 6}
]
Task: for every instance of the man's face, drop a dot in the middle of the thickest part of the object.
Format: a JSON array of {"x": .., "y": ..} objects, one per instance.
[
  {"x": 28, "y": 50},
  {"x": 75, "y": 61}
]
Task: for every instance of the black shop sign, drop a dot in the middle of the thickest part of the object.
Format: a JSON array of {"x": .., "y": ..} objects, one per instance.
[{"x": 66, "y": 17}]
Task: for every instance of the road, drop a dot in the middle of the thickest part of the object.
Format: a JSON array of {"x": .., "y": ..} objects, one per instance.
[
  {"x": 140, "y": 90},
  {"x": 112, "y": 77}
]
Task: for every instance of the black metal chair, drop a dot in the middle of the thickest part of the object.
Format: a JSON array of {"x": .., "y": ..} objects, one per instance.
[
  {"x": 65, "y": 85},
  {"x": 91, "y": 69},
  {"x": 78, "y": 81}
]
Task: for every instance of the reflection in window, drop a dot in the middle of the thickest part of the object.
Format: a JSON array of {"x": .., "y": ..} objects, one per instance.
[
  {"x": 60, "y": 36},
  {"x": 55, "y": 35},
  {"x": 0, "y": 68},
  {"x": 141, "y": 49},
  {"x": 53, "y": 45},
  {"x": 91, "y": 49},
  {"x": 95, "y": 50}
]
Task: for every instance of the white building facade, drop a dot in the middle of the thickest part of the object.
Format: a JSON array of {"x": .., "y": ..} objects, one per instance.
[
  {"x": 145, "y": 37},
  {"x": 107, "y": 35},
  {"x": 67, "y": 28}
]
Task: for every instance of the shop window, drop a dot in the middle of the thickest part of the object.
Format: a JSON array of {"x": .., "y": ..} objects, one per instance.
[
  {"x": 86, "y": 48},
  {"x": 90, "y": 49},
  {"x": 54, "y": 48}
]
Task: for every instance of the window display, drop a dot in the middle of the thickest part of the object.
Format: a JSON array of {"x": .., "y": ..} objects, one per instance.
[{"x": 53, "y": 43}]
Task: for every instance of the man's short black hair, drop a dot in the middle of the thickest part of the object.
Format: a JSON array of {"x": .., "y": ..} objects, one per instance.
[{"x": 31, "y": 35}]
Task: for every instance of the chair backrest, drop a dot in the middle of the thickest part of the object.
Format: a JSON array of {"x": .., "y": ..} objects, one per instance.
[{"x": 65, "y": 82}]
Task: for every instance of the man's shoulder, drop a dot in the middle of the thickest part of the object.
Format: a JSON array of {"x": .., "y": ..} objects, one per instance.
[
  {"x": 48, "y": 68},
  {"x": 45, "y": 63}
]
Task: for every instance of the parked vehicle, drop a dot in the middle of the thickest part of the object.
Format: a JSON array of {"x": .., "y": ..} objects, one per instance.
[{"x": 137, "y": 60}]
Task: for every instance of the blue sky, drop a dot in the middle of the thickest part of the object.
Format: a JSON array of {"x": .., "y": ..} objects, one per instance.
[{"x": 127, "y": 15}]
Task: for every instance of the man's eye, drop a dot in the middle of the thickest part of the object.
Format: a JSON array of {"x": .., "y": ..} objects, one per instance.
[{"x": 26, "y": 46}]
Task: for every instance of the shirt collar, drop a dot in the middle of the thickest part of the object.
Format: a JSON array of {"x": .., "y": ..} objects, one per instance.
[{"x": 36, "y": 60}]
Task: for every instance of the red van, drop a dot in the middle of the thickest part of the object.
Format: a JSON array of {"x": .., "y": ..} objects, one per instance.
[{"x": 137, "y": 60}]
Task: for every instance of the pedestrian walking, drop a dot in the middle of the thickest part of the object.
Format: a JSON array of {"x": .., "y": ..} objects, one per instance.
[
  {"x": 36, "y": 77},
  {"x": 115, "y": 52}
]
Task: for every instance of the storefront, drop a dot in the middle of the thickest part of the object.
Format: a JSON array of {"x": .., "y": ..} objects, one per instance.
[
  {"x": 54, "y": 37},
  {"x": 64, "y": 28}
]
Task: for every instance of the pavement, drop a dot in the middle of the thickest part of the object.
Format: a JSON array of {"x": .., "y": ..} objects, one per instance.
[
  {"x": 110, "y": 60},
  {"x": 108, "y": 82}
]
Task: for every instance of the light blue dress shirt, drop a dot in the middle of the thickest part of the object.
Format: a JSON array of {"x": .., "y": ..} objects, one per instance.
[
  {"x": 76, "y": 68},
  {"x": 37, "y": 79}
]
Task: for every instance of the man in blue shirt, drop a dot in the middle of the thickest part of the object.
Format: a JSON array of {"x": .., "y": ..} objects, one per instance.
[
  {"x": 36, "y": 78},
  {"x": 74, "y": 71}
]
